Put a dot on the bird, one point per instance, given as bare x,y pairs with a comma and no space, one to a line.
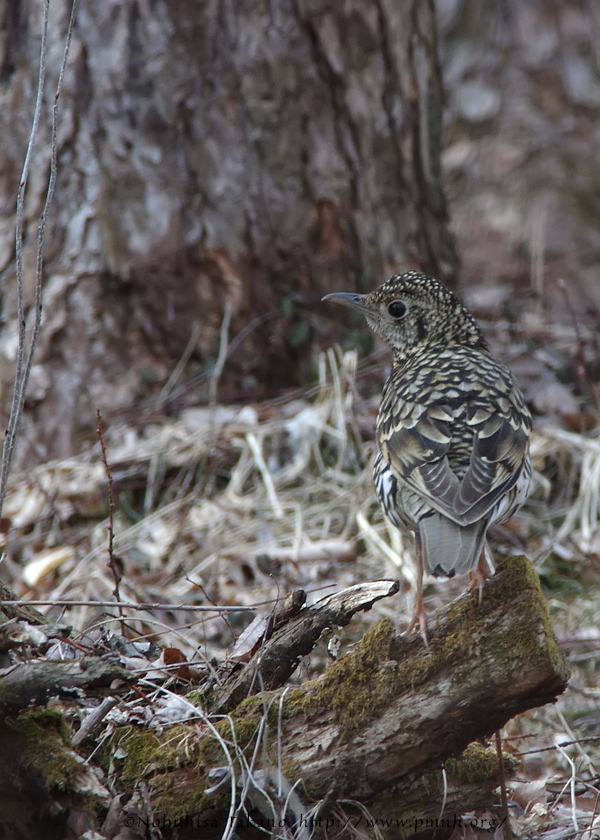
452,430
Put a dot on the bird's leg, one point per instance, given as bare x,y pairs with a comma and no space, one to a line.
419,614
482,571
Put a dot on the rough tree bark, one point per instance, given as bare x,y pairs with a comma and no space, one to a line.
249,156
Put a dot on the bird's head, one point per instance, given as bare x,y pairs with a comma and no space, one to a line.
412,311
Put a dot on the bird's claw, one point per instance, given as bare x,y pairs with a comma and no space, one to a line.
420,618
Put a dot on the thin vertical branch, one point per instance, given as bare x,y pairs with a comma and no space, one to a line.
425,99
222,354
581,370
503,792
571,784
24,358
177,371
39,265
19,385
112,560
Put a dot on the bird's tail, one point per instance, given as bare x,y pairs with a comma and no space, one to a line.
450,549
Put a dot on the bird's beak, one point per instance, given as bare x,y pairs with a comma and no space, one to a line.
349,299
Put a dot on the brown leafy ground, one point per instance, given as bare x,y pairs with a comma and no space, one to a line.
236,506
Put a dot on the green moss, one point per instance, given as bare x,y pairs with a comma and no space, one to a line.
176,765
180,793
522,640
39,742
164,763
476,765
196,698
48,720
45,741
525,634
356,687
140,751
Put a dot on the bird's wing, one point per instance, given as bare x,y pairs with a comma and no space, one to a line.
500,449
416,449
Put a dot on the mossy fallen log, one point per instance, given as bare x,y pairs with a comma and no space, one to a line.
379,725
389,727
392,708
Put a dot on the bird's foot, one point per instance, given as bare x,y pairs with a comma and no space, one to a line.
478,579
420,618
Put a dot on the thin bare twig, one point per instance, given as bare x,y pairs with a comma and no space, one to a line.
24,359
581,369
20,383
125,605
572,787
93,720
576,742
222,354
503,794
112,562
537,750
177,370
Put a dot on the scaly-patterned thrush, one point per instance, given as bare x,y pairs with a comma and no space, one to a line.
452,429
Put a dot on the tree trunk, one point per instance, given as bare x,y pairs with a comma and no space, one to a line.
213,157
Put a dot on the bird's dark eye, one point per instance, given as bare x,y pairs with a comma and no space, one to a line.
397,309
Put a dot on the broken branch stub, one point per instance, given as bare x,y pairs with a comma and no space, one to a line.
276,660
